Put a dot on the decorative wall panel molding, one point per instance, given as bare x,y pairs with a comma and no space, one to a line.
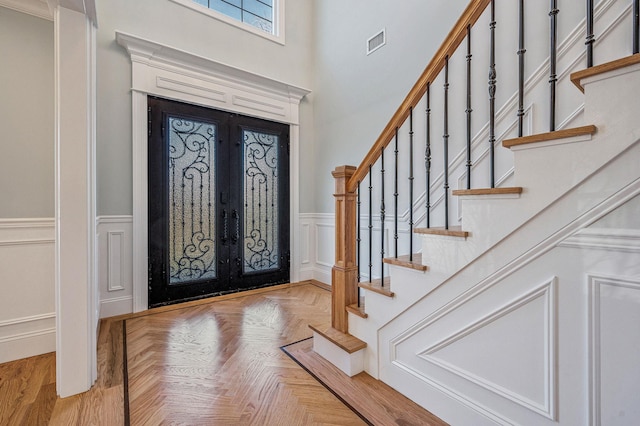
614,349
599,211
538,308
627,240
115,265
115,250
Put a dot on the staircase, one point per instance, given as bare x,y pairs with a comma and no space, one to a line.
517,303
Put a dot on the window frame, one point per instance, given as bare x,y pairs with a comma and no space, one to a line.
278,19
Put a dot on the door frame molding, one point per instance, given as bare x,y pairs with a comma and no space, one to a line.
167,72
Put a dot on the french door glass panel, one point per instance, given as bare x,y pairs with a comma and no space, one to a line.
192,212
261,251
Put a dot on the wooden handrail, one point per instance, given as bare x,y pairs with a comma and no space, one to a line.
469,17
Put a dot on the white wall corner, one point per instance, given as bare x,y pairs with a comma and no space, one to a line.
75,271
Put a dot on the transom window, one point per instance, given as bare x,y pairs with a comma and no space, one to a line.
257,13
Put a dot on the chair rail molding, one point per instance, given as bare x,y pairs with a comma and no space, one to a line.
161,70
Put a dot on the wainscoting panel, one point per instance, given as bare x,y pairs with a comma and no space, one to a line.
27,305
115,265
318,241
317,244
614,349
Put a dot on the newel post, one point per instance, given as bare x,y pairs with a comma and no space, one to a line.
344,275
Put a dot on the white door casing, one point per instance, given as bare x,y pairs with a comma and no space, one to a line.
164,71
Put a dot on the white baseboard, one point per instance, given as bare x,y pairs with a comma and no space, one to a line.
28,336
27,344
116,306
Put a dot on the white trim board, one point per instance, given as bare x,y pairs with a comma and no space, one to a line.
171,73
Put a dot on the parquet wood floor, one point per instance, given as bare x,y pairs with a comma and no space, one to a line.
28,388
215,363
381,404
221,363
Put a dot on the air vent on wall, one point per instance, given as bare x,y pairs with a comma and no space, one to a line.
376,42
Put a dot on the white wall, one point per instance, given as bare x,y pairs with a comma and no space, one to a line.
26,115
356,94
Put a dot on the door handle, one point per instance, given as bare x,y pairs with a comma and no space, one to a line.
236,216
225,226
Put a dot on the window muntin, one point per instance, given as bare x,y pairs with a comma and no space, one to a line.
257,13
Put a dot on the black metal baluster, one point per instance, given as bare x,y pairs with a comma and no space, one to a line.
427,157
411,184
370,225
553,58
636,26
445,139
382,217
395,196
469,110
492,94
590,37
521,52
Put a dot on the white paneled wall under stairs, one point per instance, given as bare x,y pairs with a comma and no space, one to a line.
532,318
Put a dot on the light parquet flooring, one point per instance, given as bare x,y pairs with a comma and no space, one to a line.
382,404
221,363
214,363
28,388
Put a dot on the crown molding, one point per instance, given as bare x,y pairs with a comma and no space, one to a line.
149,52
37,8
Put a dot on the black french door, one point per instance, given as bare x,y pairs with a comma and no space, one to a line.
218,202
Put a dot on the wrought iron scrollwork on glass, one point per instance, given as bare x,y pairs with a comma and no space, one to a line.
261,217
192,253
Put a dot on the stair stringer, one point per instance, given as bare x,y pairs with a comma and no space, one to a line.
566,163
546,171
404,343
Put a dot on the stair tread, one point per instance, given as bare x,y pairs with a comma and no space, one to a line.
578,76
357,310
405,262
549,136
345,341
376,286
488,191
453,231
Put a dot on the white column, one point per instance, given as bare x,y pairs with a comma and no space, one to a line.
76,292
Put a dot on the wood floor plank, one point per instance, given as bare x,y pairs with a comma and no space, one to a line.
378,402
28,388
218,363
221,363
